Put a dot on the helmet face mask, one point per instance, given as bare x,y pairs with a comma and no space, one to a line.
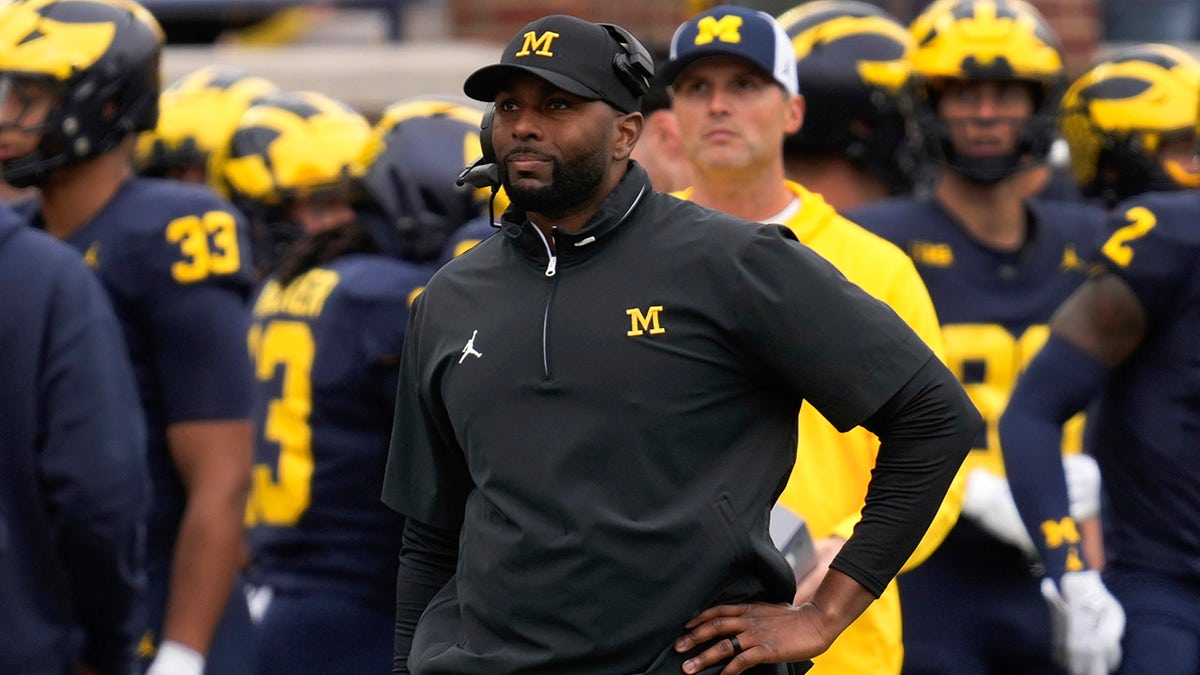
986,41
984,149
103,58
27,103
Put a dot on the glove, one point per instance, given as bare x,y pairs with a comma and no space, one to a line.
1083,485
1088,623
174,658
988,501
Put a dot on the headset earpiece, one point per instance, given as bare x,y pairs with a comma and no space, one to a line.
633,65
483,172
485,134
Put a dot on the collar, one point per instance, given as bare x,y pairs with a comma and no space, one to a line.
614,210
814,213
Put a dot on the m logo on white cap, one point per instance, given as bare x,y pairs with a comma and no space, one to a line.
537,44
725,29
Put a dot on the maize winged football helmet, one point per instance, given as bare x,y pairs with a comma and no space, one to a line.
197,116
1117,115
853,63
100,57
295,144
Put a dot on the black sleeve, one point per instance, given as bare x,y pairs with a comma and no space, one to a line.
925,431
428,557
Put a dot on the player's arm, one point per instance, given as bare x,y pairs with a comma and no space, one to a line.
92,463
213,459
1094,331
200,358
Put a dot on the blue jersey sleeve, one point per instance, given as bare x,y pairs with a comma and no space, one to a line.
200,349
191,279
1057,384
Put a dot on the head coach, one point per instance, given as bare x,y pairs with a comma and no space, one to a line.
598,406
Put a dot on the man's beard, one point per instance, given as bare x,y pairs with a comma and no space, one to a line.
571,184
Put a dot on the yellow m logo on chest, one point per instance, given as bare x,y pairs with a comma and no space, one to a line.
640,324
725,30
537,44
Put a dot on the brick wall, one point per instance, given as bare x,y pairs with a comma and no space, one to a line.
1077,21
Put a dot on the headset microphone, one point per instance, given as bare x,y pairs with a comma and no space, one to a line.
481,174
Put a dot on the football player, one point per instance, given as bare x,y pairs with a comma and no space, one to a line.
734,111
197,116
1128,337
289,168
406,178
1130,123
853,60
1124,337
986,82
79,79
326,337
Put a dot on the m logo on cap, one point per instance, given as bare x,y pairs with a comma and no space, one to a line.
725,30
535,44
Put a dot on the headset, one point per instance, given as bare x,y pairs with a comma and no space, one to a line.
633,65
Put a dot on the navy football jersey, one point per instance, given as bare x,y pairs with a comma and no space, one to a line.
993,305
1145,429
174,258
326,350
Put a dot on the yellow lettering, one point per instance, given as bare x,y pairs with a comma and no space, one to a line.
638,322
931,254
1059,532
726,29
537,44
305,297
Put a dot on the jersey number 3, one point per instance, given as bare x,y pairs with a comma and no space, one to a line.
280,494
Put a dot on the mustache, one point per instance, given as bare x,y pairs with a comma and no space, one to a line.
527,151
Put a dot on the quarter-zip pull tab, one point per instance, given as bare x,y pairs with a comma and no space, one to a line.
551,266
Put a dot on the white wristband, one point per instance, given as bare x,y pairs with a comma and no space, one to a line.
175,658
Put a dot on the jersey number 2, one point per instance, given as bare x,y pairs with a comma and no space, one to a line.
280,494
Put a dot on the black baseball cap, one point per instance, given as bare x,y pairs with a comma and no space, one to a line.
574,55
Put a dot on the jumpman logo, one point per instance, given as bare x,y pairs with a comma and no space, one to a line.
469,349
